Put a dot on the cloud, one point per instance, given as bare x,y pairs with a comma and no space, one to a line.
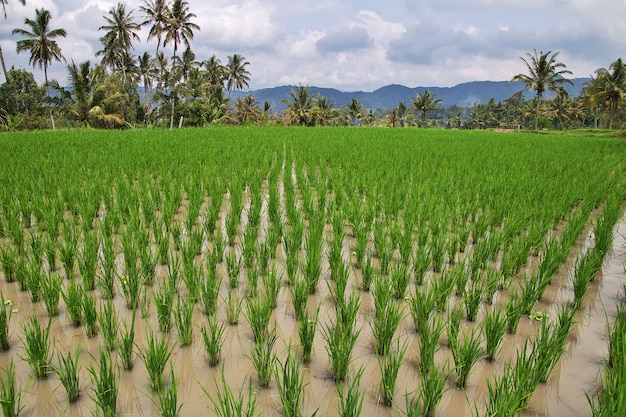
345,39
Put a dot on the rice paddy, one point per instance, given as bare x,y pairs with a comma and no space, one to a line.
301,271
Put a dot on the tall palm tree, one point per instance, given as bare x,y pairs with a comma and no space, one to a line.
40,41
608,89
423,103
355,112
325,110
121,29
156,13
237,76
179,27
4,9
544,73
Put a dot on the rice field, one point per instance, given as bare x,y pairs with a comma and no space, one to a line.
336,272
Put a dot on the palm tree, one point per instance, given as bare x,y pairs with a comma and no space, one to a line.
325,110
423,103
121,30
40,41
299,106
4,9
237,76
156,13
87,97
216,72
544,73
403,115
355,111
608,89
179,27
247,109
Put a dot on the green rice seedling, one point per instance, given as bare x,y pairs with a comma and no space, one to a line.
173,272
37,347
454,325
264,256
168,397
257,311
10,394
492,282
461,278
73,298
183,316
334,254
513,313
106,280
145,303
233,266
381,294
367,273
465,354
341,278
252,280
68,371
162,241
339,346
361,235
384,326
610,400
227,405
429,340
148,265
108,320
212,335
219,246
264,358
442,288
299,296
192,276
90,315
155,355
529,294
494,327
437,252
306,333
8,260
234,305
549,345
127,343
5,318
389,368
351,401
88,262
272,283
164,303
34,279
290,386
421,262
311,267
400,279
617,339
105,383
51,293
291,264
248,248
68,253
22,273
503,397
431,390
422,305
472,299
131,285
585,270
210,291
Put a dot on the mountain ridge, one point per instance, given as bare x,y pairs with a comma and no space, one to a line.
387,97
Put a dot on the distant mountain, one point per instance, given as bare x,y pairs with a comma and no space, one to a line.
387,97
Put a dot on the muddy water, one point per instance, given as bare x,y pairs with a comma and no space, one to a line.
563,394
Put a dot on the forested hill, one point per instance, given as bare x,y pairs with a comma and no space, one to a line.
466,94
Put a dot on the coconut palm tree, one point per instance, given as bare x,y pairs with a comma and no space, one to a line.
355,112
237,76
299,106
325,110
179,27
156,13
608,89
40,41
4,9
121,29
544,73
423,103
247,109
87,97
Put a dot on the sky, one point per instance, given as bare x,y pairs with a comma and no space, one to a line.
358,45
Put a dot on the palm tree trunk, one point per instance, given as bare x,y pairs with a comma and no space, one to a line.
537,112
45,75
4,67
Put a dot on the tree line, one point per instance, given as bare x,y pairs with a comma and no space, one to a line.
121,89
